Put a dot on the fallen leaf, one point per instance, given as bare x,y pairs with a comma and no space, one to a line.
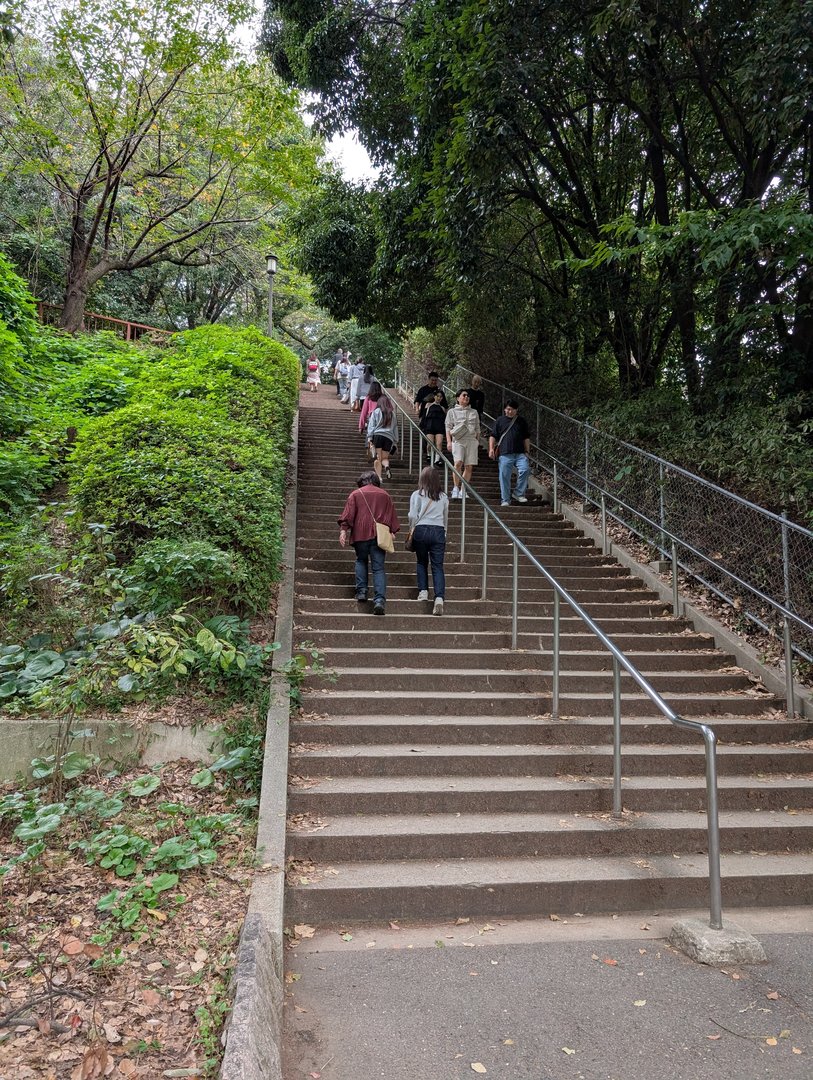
346,937
478,1067
486,928
111,1033
508,1042
642,952
796,1050
784,1034
771,1042
609,961
567,1050
370,945
73,947
127,1067
394,926
292,976
712,1038
304,931
152,999
461,921
554,918
161,916
641,1002
93,951
645,926
773,995
315,1075
736,976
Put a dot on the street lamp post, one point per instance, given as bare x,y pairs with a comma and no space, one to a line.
271,268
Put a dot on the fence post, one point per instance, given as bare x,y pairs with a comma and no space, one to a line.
515,601
675,593
662,505
790,703
556,487
604,548
586,461
554,706
617,808
463,502
485,556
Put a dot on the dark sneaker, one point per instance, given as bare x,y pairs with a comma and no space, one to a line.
361,598
378,608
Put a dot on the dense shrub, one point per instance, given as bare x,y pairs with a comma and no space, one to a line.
250,378
169,573
200,455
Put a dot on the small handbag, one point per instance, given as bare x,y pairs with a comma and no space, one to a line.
383,535
409,543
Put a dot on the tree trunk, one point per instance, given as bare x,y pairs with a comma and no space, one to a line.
77,284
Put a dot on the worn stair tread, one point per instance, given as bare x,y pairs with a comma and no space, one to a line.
450,824
673,697
362,785
413,873
492,750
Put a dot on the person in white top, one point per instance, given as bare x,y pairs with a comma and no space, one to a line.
462,438
429,519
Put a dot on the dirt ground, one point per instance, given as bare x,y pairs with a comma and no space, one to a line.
80,999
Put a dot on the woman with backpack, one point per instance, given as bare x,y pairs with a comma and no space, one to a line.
382,433
312,367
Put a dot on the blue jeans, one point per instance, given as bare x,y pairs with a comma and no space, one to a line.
506,463
369,549
430,545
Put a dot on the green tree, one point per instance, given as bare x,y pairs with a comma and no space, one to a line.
156,140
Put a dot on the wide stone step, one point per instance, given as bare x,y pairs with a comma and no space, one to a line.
475,703
383,635
478,730
364,838
339,583
435,889
648,663
493,680
406,615
467,601
537,760
544,794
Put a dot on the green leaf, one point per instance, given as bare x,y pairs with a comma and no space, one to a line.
75,763
144,785
163,882
202,779
43,666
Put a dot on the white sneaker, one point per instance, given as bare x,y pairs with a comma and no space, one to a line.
438,606
423,594
455,493
520,498
505,504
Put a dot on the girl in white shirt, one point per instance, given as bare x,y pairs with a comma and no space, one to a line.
429,517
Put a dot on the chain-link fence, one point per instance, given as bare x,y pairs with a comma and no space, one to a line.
749,557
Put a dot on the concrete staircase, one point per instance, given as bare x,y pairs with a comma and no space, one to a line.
427,776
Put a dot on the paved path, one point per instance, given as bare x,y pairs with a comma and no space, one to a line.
428,1003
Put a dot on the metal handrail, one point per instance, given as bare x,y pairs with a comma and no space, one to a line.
620,660
609,502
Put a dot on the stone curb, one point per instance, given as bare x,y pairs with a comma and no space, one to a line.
746,656
253,1038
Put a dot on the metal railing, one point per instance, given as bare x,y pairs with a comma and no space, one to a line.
130,331
415,439
756,561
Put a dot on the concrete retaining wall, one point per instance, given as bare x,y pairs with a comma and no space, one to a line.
253,1038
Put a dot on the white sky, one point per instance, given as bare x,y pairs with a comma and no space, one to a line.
352,158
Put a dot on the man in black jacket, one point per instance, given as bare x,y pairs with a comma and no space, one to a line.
510,444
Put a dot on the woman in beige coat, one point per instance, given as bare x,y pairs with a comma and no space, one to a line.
462,431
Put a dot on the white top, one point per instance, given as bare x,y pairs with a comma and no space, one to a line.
437,511
462,423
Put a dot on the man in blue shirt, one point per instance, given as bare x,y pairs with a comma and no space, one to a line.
510,444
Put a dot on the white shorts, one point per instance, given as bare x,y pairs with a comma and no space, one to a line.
465,451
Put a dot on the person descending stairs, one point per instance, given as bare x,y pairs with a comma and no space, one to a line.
427,775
